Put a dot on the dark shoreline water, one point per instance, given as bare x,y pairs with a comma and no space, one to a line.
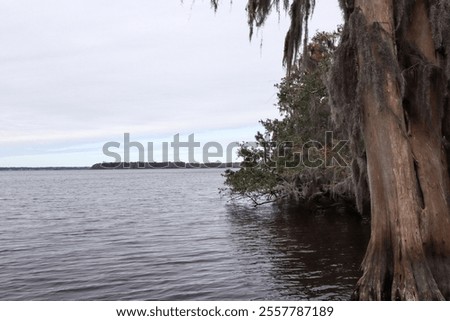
165,235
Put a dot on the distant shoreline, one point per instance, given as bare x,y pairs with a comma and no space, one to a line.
128,166
162,165
17,169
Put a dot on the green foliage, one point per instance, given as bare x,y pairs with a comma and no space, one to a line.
287,160
254,183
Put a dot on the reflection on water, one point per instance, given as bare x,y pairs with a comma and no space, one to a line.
303,255
165,235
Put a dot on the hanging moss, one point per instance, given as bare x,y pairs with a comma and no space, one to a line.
398,77
299,11
421,75
415,76
440,20
343,88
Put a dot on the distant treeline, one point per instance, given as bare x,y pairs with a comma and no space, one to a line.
43,168
164,165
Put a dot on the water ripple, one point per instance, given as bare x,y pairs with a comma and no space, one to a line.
165,235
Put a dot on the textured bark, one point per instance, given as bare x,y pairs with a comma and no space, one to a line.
401,104
389,89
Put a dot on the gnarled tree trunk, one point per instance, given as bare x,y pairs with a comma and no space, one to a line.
397,97
389,88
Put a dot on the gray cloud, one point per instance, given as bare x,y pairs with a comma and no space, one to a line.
81,72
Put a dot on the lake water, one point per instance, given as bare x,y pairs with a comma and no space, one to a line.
165,235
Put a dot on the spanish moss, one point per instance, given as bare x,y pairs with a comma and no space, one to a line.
299,11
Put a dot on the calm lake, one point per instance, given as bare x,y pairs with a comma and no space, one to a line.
165,235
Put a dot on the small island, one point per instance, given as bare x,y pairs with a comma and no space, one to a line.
162,165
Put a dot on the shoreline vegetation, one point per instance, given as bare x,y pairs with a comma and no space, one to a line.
301,156
382,85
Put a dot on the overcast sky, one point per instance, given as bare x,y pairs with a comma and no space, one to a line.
75,74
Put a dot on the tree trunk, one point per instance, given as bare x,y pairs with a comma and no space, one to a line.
389,88
399,96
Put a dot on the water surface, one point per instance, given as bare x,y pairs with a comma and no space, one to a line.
165,235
